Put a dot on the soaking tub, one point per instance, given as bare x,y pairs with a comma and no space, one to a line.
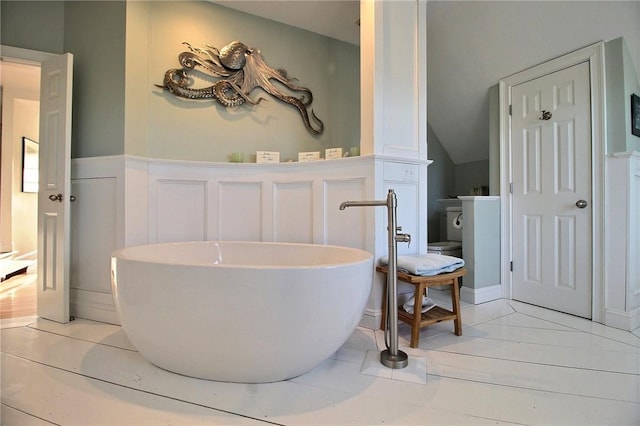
248,312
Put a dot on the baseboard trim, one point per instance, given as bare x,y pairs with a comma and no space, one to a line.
622,320
93,306
480,295
371,319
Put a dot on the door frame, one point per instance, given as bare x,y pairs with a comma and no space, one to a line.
594,55
29,57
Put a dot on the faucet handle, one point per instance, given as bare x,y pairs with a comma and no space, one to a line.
403,238
398,228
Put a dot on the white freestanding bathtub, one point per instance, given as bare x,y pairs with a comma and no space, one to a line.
247,312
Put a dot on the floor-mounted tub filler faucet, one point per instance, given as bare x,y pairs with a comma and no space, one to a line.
391,357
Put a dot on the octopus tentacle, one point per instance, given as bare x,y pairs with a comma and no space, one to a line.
178,87
190,60
302,108
222,89
289,82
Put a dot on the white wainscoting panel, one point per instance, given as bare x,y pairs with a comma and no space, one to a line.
97,229
633,297
622,294
346,227
127,200
292,214
88,259
181,211
239,211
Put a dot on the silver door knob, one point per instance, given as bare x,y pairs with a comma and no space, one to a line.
57,197
581,204
546,115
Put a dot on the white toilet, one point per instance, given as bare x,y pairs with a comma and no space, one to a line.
453,245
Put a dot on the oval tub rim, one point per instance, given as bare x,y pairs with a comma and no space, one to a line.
122,255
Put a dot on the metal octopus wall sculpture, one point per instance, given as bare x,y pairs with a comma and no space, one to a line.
240,70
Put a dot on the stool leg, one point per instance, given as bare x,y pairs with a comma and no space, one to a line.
455,299
417,315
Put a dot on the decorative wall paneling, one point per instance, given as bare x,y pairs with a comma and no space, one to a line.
287,202
96,230
124,201
622,290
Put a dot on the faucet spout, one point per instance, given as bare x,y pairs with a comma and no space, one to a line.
346,204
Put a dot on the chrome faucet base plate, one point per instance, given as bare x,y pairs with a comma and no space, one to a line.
400,360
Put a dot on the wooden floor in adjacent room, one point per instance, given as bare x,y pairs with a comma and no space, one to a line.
18,296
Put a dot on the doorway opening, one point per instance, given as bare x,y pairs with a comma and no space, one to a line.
593,56
19,122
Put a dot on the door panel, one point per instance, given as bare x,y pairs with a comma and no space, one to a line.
55,184
551,160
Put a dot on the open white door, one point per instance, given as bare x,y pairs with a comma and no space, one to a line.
55,185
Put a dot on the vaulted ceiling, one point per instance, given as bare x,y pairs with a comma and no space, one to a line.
471,45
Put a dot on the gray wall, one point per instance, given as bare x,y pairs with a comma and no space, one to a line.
205,130
473,44
469,175
35,25
440,183
106,114
93,32
494,140
446,179
621,82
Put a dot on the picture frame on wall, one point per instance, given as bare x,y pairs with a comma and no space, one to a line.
635,115
30,154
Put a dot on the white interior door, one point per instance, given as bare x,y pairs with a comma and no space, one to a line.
552,187
55,184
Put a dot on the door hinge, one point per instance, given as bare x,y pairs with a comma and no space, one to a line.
511,187
510,109
511,266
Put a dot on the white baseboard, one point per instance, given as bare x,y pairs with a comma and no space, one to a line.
623,320
93,306
32,255
480,295
371,319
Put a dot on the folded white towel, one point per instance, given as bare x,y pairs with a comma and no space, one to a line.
427,303
427,264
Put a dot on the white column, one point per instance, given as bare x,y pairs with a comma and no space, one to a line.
393,124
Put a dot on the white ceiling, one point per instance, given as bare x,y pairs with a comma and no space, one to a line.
331,18
20,77
471,45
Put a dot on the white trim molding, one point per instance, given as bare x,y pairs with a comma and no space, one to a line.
480,295
622,246
594,55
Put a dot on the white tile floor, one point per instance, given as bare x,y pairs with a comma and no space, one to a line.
514,364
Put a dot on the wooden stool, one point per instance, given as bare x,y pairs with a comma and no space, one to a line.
433,315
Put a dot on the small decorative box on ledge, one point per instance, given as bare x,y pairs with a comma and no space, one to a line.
437,314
